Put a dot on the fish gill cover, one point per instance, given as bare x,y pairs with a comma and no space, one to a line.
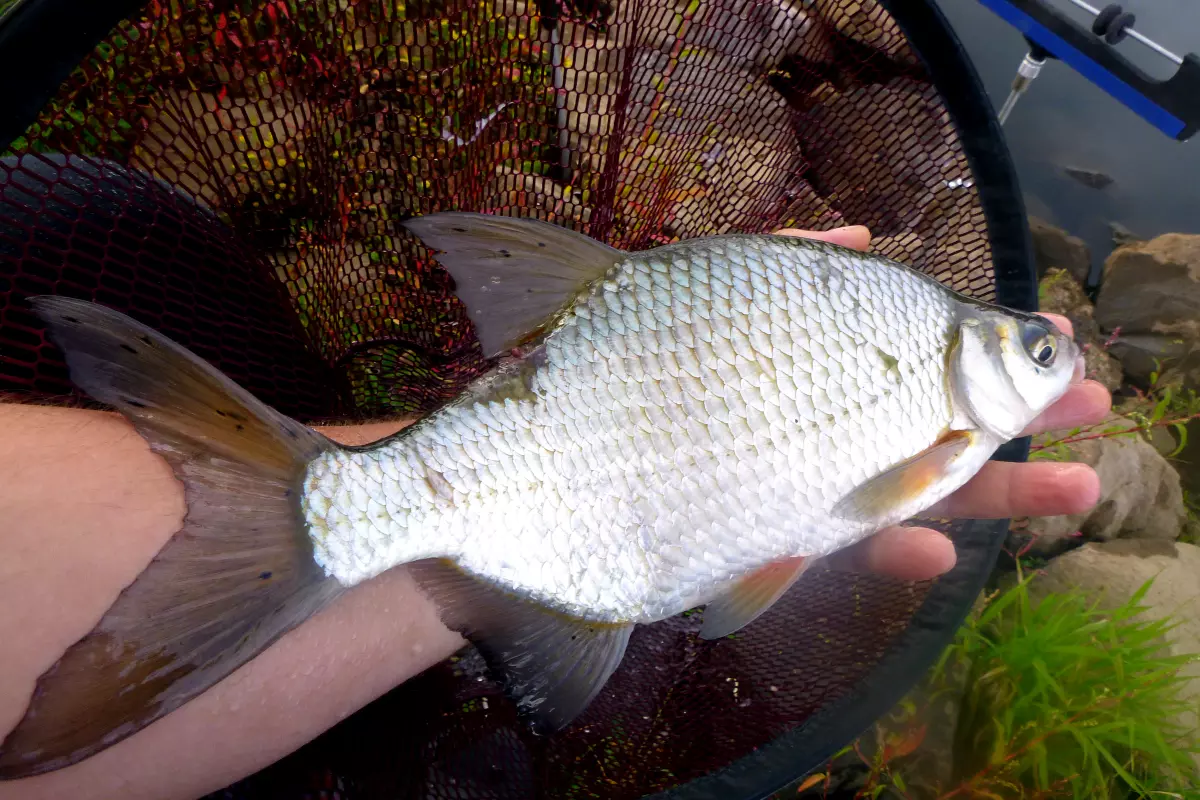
234,173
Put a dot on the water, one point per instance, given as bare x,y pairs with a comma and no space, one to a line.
1064,120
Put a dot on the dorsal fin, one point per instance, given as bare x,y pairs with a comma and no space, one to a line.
513,275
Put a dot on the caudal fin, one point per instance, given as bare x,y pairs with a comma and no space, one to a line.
231,581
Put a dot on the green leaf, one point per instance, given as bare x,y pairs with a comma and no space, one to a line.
1181,432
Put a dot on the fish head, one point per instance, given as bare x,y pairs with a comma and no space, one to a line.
1007,367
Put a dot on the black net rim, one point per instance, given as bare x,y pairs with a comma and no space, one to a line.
36,45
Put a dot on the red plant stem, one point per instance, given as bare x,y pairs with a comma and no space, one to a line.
1108,434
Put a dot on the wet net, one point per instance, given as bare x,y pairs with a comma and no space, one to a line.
234,173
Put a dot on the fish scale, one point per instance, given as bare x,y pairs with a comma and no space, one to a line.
607,418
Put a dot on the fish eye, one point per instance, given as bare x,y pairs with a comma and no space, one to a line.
1040,345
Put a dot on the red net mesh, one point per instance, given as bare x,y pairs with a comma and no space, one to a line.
237,173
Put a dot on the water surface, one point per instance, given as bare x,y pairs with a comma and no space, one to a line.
1064,120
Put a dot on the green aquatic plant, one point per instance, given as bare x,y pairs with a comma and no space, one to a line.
1062,699
1065,698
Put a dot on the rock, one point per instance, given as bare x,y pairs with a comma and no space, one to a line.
1140,494
1141,355
1151,292
902,156
1055,248
866,22
1113,571
203,143
744,168
755,35
1060,293
1151,285
1091,178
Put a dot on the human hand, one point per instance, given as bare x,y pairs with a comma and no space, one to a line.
1000,490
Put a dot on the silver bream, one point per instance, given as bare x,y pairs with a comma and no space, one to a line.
685,426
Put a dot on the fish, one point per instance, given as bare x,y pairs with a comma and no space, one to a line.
690,426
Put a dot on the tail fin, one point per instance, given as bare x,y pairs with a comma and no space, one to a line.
231,581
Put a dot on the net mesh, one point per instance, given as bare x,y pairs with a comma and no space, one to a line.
234,172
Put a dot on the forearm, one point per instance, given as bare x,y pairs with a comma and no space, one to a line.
84,506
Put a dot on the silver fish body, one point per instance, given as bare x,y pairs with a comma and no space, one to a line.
690,425
696,415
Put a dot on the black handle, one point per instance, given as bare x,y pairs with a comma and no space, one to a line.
1172,105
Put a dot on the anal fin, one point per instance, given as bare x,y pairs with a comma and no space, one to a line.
552,665
753,595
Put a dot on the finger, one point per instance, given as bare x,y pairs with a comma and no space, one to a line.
364,433
1085,403
1060,322
910,554
856,237
1001,490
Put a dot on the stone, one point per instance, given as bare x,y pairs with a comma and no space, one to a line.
749,171
1055,248
902,155
1140,493
1143,354
1060,293
866,22
1150,294
201,143
1111,572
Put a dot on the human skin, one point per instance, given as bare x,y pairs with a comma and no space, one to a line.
85,505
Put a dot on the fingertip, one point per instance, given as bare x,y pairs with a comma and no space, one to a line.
856,237
1060,322
911,554
1097,395
1081,488
1054,489
940,555
1086,403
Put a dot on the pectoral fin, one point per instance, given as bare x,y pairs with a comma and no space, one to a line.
550,664
917,482
753,595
